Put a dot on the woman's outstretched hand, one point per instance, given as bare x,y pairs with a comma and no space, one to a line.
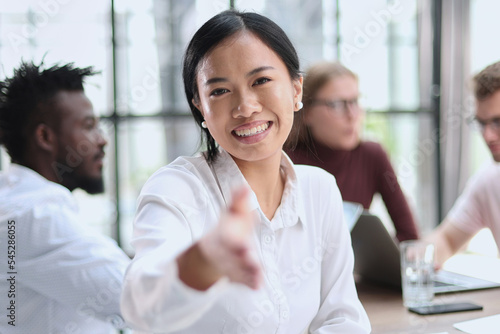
226,251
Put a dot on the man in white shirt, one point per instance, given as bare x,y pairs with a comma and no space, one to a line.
479,205
56,275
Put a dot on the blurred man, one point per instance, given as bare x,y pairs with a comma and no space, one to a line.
56,275
479,205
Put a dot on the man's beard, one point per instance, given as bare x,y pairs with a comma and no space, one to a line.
91,185
77,177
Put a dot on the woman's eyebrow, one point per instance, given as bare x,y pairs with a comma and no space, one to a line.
249,74
215,80
259,69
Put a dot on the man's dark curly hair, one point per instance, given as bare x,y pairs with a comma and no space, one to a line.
26,99
487,82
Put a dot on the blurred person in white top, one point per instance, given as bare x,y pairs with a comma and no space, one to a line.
57,275
479,205
237,239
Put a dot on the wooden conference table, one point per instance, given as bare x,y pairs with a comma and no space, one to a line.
388,315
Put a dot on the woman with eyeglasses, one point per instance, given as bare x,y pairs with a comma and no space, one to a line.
329,137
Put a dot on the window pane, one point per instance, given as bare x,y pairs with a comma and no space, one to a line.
138,81
378,42
58,33
412,150
145,145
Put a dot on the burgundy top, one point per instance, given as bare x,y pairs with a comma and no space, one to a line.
360,174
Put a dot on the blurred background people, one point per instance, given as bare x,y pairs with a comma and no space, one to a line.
478,206
330,138
61,276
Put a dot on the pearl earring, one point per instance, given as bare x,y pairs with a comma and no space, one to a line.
299,105
204,124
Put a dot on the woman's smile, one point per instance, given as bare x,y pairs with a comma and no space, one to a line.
246,101
252,133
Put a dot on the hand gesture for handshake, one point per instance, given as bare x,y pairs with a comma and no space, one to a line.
226,251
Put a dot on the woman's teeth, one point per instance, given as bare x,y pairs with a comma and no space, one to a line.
252,131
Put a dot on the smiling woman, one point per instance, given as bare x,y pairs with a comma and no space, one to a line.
237,96
202,45
216,234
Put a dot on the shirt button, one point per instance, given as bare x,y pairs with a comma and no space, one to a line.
116,321
284,314
267,239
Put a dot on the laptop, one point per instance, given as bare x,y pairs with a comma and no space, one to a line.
377,259
352,211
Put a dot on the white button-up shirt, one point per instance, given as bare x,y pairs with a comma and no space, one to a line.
305,252
56,275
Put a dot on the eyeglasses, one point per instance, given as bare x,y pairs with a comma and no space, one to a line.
339,107
480,125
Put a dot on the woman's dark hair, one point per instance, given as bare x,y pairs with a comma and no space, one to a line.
211,34
25,101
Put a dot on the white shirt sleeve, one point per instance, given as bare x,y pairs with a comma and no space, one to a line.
154,299
477,207
60,258
471,211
